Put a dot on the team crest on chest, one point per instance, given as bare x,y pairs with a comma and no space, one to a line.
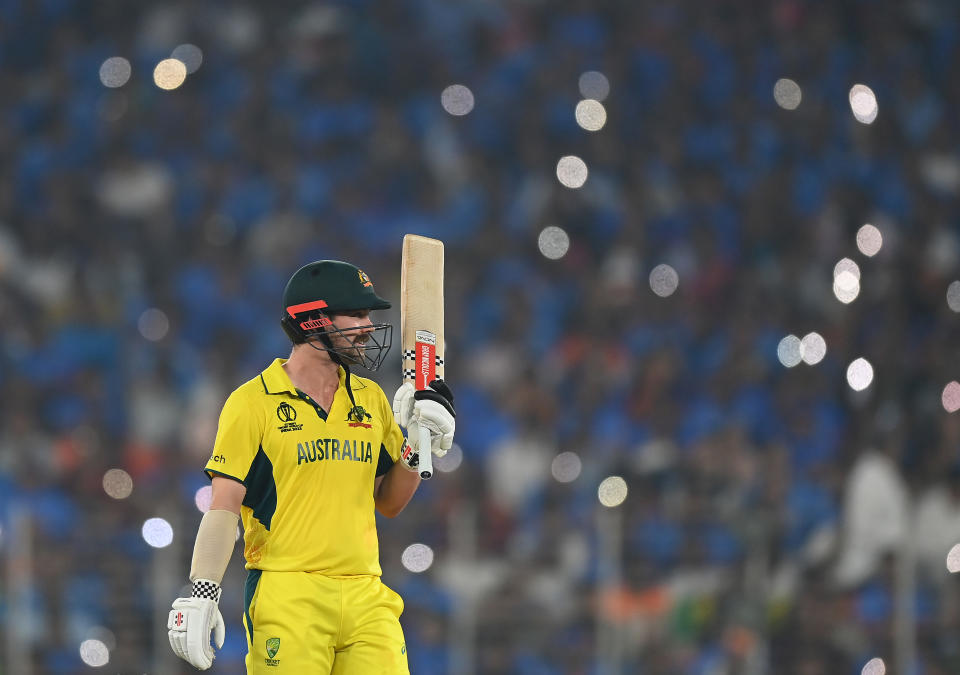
357,417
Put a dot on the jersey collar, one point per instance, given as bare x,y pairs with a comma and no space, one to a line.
276,381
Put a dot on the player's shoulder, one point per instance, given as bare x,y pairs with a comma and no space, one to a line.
251,389
364,386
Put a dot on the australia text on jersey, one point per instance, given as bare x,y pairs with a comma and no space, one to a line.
333,448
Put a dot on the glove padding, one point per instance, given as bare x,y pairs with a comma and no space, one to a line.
192,620
433,409
403,405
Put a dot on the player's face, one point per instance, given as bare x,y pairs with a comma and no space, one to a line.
354,329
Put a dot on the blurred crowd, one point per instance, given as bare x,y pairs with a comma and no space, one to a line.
776,520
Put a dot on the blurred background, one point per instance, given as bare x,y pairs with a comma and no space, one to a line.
702,265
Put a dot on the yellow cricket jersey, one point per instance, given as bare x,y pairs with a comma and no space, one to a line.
309,473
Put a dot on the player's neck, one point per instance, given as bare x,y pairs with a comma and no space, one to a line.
312,371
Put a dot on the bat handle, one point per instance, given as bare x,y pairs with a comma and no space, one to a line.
426,457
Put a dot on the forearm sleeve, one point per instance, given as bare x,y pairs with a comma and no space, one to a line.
214,546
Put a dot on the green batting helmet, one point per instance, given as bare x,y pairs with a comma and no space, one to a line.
331,286
325,287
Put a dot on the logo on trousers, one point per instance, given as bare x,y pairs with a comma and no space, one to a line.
273,646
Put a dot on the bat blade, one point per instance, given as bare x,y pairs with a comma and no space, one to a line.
421,321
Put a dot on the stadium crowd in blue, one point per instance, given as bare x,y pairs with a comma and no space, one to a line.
316,131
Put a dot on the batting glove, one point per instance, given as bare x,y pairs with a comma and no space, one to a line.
192,620
433,409
403,405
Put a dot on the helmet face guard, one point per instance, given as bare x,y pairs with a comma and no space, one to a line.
365,346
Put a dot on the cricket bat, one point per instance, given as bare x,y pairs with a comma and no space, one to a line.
421,323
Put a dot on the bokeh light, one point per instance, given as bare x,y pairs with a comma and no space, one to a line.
813,348
553,242
115,72
874,666
157,532
869,240
590,114
153,324
572,171
117,483
953,559
859,374
789,351
863,103
612,491
203,497
951,397
451,461
94,653
417,557
787,93
105,635
664,280
846,287
457,100
594,84
169,74
846,265
191,56
953,296
566,467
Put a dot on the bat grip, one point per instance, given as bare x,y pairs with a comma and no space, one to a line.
426,457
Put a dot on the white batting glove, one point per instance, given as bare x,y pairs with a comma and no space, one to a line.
192,620
433,409
403,405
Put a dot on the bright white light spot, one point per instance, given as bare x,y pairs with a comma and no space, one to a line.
951,397
953,559
105,635
787,93
664,280
553,242
572,171
157,532
953,296
169,74
591,115
594,84
417,557
153,324
190,55
117,483
450,461
869,240
863,103
846,265
115,72
859,374
94,653
874,667
813,348
566,467
612,491
846,287
788,351
203,498
457,99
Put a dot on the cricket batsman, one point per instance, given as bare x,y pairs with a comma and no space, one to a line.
304,453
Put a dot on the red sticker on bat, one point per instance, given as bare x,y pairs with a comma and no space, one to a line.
426,359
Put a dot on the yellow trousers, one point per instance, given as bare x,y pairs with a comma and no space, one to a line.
304,623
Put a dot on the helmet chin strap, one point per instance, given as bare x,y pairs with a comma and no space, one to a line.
336,357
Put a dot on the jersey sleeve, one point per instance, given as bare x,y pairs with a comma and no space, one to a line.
239,435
